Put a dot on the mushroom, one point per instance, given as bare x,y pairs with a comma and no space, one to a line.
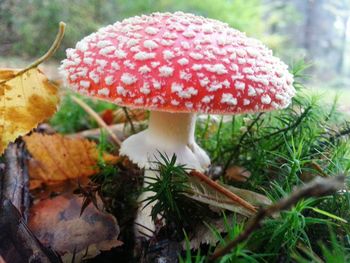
176,65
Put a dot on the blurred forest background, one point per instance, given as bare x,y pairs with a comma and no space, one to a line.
315,30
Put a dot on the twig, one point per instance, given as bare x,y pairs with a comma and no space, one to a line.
97,118
95,133
316,188
129,120
55,45
14,230
235,198
15,179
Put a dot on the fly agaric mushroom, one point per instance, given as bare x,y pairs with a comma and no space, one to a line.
176,65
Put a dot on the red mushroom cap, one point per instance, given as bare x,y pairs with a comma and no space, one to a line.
178,63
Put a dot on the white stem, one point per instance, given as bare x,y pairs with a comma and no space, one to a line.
168,133
173,128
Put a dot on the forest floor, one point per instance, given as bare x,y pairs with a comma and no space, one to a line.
258,158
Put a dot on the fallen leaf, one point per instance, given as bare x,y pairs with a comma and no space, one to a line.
203,234
25,101
107,116
135,115
57,158
237,173
217,201
57,224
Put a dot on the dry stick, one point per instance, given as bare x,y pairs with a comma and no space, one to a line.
235,198
55,45
97,118
316,188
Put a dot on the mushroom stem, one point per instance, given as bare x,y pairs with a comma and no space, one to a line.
167,133
175,128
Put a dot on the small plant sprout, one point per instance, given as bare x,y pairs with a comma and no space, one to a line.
176,65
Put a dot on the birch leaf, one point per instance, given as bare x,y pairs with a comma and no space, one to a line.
57,158
25,101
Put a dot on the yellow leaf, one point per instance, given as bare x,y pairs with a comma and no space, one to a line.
25,101
57,158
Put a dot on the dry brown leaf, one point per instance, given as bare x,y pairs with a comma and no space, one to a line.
25,101
237,173
57,158
57,223
217,201
119,115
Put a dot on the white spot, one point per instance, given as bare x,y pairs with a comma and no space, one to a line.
85,84
252,52
215,86
208,99
128,79
167,54
175,102
248,71
155,64
151,30
104,91
109,80
170,35
227,98
216,68
106,50
239,85
204,82
94,77
144,69
166,71
145,89
144,55
132,42
120,53
196,56
183,61
246,102
167,43
241,52
189,34
102,63
251,91
241,61
104,43
197,67
150,44
138,101
129,64
185,45
259,91
234,67
226,83
88,61
156,84
184,75
115,65
265,99
189,105
121,91
82,46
